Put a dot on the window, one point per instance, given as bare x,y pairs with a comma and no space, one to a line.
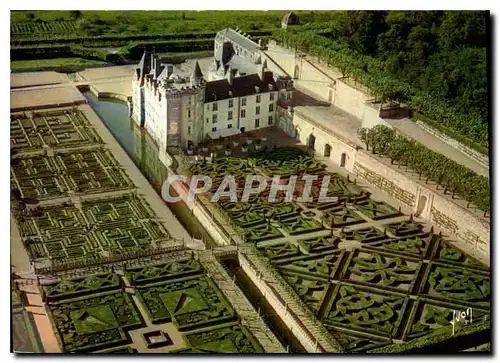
257,110
258,98
243,101
189,113
189,130
214,119
208,107
230,104
230,126
214,106
208,120
214,129
229,115
257,123
189,100
270,120
271,107
271,96
243,113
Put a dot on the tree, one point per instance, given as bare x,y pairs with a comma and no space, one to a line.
75,14
30,16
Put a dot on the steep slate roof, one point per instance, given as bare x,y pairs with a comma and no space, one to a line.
196,75
290,18
241,87
239,39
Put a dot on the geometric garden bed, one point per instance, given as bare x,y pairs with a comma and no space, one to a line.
96,313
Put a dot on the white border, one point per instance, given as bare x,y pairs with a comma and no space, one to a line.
203,5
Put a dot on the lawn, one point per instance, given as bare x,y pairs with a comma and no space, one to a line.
144,22
56,62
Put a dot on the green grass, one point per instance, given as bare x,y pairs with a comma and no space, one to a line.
197,54
56,62
451,133
146,22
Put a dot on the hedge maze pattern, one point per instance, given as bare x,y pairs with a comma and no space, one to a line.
96,313
85,171
383,290
57,129
395,282
99,227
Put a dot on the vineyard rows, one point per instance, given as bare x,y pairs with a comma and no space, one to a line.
43,27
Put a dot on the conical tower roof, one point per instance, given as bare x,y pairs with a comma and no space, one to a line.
196,75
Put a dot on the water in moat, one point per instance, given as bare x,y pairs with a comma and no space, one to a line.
144,153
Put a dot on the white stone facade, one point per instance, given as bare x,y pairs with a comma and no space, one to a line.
178,109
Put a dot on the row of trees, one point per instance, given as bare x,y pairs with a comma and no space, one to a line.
453,177
448,85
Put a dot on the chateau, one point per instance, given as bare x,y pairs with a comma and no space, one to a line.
180,106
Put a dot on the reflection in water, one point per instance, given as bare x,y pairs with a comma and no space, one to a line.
144,152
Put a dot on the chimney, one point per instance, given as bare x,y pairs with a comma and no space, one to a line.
230,75
170,69
156,67
261,71
262,68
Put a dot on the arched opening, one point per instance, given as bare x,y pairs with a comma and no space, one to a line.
342,159
328,150
420,205
296,72
242,130
311,141
297,134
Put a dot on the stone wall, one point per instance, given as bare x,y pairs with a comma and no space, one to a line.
204,217
284,57
278,304
467,230
339,145
473,154
384,184
472,230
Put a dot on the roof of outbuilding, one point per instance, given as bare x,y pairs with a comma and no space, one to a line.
239,38
290,17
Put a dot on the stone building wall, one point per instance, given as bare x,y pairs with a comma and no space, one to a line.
467,230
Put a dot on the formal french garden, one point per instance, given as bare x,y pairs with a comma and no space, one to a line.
370,274
97,313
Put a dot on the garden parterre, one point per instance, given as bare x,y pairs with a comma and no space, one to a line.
99,313
371,276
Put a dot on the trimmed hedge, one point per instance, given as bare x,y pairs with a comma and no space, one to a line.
460,180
